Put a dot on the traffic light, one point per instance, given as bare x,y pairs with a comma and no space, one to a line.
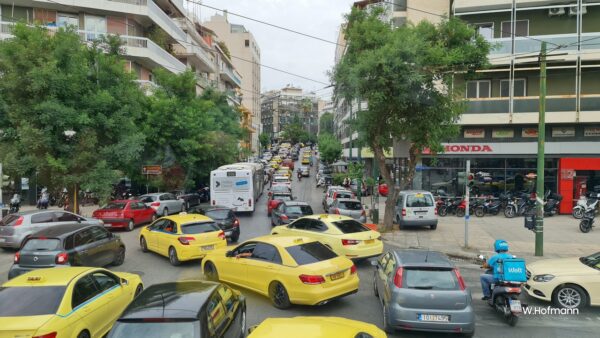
5,179
470,179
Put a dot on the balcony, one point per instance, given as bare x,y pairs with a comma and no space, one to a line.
231,75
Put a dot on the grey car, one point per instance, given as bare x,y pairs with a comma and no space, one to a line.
424,291
163,202
350,207
288,211
14,228
69,245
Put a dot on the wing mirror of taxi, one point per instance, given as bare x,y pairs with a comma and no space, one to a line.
229,253
124,281
252,328
375,263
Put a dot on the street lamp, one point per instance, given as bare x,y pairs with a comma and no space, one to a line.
69,134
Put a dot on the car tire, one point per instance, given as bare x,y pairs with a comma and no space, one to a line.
375,291
569,296
469,334
433,226
120,258
138,290
234,237
143,244
173,259
130,225
210,272
279,296
243,324
84,334
165,212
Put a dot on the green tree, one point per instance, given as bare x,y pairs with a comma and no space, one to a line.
294,132
71,110
405,74
326,123
265,139
330,148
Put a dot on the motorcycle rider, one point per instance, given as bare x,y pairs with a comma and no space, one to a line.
44,199
501,248
299,174
15,203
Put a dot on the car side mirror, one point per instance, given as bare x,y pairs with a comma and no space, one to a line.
229,253
375,263
124,281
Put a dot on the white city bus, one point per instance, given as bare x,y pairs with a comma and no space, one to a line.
237,185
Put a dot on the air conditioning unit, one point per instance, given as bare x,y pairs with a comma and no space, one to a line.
556,11
573,10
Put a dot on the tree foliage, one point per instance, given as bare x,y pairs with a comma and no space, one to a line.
326,123
405,75
330,148
295,132
264,139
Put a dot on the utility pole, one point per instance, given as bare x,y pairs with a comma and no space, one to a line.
467,199
539,227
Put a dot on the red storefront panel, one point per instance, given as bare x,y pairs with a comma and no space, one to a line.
566,180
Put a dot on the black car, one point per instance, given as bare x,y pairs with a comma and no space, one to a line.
191,309
287,211
69,245
224,217
190,199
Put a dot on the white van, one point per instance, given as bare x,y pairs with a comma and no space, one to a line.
416,208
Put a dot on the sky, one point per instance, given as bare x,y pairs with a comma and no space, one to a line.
288,51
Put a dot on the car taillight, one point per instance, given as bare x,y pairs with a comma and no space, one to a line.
47,335
155,204
185,240
62,258
350,241
19,221
353,269
461,281
435,211
284,217
398,278
403,212
236,223
17,257
221,235
312,279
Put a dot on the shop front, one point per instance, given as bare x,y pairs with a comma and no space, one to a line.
577,177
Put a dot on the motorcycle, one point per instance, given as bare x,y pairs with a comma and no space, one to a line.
44,199
552,204
457,207
519,206
583,204
490,206
587,221
15,204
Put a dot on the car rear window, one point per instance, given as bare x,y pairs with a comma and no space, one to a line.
343,195
30,301
282,180
218,214
419,200
169,328
39,244
199,228
309,253
299,209
9,220
148,199
350,205
350,226
430,279
115,205
282,197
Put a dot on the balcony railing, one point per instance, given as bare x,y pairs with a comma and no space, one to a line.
133,2
568,43
530,104
232,74
157,15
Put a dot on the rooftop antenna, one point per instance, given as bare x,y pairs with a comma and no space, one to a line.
426,255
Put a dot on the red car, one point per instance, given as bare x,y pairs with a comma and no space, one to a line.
276,198
125,214
383,189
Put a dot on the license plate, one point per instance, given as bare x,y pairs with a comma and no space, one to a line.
336,275
369,241
227,233
208,247
434,318
515,306
107,225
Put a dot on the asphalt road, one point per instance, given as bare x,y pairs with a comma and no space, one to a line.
361,306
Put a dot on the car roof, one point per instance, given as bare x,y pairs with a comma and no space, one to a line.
155,194
422,258
348,200
328,217
61,230
415,192
170,300
32,212
283,241
187,218
293,203
48,277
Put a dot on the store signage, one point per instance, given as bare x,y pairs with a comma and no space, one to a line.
517,148
567,174
591,131
151,170
503,133
529,132
464,149
475,133
563,132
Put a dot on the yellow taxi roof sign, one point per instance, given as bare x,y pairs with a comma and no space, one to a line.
298,240
34,279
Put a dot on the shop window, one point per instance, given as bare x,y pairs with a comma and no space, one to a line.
520,88
521,28
479,89
486,30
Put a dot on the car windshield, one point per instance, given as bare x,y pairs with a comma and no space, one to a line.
419,200
30,301
309,253
115,205
350,205
167,329
299,209
41,244
199,228
218,213
592,261
430,279
350,226
9,219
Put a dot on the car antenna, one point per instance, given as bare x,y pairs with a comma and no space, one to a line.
426,255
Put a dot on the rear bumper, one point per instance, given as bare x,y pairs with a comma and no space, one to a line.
364,252
12,241
115,222
407,319
319,295
418,222
186,253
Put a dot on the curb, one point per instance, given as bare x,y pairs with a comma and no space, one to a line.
472,257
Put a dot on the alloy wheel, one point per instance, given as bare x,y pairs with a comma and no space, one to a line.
569,298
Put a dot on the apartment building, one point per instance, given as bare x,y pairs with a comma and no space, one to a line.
282,107
245,53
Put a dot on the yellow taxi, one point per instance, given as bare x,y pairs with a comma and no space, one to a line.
277,159
305,160
65,302
283,172
344,235
289,270
182,237
274,165
314,327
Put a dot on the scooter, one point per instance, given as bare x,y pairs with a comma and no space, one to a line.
583,204
44,199
519,206
457,207
552,204
15,204
587,222
490,206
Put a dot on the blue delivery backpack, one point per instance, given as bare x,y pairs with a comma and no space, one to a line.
511,270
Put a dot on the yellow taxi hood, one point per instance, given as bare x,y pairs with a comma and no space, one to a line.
559,267
22,326
314,327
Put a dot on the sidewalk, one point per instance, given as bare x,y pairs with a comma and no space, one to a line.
86,211
562,237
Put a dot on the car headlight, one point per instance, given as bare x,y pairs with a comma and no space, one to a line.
543,278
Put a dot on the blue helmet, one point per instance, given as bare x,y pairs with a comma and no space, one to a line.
500,245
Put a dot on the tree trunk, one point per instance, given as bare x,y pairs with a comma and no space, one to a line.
388,218
412,165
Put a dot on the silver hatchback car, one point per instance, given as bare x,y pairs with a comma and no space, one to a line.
14,228
423,291
350,207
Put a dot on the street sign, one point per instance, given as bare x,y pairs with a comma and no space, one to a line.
151,170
